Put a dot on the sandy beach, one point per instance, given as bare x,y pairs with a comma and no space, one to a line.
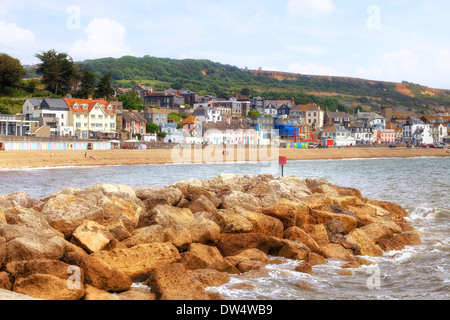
37,159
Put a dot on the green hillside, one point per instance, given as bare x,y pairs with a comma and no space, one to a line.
208,77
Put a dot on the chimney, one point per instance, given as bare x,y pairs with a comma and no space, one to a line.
228,119
90,97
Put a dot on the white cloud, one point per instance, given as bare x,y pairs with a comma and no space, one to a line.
105,38
308,8
15,38
442,61
314,69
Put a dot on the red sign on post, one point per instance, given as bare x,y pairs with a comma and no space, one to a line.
283,161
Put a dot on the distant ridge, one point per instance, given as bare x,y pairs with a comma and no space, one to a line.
208,77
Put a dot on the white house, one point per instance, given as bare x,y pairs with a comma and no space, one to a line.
342,136
208,114
49,112
414,129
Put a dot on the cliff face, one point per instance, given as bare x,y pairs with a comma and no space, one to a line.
185,237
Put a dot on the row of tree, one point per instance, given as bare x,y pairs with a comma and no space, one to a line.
62,75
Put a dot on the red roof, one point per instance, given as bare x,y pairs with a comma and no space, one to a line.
90,103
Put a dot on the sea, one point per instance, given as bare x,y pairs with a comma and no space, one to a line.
420,185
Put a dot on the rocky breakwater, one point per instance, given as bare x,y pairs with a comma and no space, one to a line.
95,243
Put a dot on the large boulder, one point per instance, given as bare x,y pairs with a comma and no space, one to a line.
234,199
57,268
92,236
154,233
137,262
172,282
262,223
2,251
24,243
400,241
18,199
97,273
286,214
48,287
233,244
66,212
295,233
153,197
230,222
209,277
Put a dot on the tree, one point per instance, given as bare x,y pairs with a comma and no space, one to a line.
88,80
59,72
131,100
104,87
11,71
152,127
254,113
245,92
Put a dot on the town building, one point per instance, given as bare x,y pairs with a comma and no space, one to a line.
337,118
133,122
165,100
340,135
53,113
92,118
155,115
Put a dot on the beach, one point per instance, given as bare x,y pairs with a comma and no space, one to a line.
41,159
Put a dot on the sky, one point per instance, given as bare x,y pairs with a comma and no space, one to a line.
388,40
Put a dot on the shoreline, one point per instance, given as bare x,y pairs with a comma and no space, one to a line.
17,160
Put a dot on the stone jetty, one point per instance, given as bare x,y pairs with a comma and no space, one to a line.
94,243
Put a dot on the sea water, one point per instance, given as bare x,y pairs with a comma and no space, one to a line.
420,185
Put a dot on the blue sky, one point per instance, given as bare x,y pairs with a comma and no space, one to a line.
391,40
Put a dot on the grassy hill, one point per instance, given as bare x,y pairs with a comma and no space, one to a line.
208,77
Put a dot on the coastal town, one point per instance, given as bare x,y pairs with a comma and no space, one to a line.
184,117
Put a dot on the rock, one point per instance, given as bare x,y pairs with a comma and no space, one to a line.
234,199
121,226
66,212
26,217
125,193
302,211
172,282
209,277
48,287
377,231
289,249
19,199
297,185
261,190
355,262
137,262
192,261
168,216
136,295
202,204
92,236
97,273
335,251
192,193
252,254
179,236
206,253
317,201
118,208
348,222
315,259
95,294
2,251
360,243
400,241
23,243
153,197
295,233
395,211
204,231
155,233
304,267
262,223
233,244
57,268
231,222
224,265
335,226
318,232
5,281
286,214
